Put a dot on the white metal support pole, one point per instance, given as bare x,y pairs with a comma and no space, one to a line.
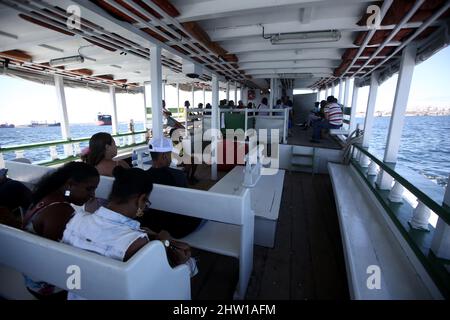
341,90
346,92
333,88
214,125
64,116
326,91
228,91
204,97
163,89
178,97
368,121
242,95
235,93
112,99
441,239
156,97
272,92
193,97
318,95
145,109
400,103
396,123
354,106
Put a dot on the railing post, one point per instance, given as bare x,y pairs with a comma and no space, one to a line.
373,169
68,149
19,154
384,180
396,193
2,161
364,160
420,217
440,244
77,149
53,153
356,153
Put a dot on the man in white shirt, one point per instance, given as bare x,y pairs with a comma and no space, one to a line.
263,105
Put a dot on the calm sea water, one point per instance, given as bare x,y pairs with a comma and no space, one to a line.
27,135
425,145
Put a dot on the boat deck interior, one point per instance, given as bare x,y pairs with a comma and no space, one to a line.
307,261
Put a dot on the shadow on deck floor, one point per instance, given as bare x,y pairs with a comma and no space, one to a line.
307,261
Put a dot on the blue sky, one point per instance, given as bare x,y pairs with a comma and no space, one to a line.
23,101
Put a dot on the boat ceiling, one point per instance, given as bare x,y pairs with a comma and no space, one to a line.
222,37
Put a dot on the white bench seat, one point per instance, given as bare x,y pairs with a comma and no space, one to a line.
147,275
339,132
368,241
265,200
222,238
228,231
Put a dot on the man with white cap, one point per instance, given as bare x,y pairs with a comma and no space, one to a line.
162,173
177,225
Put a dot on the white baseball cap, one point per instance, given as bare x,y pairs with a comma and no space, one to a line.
160,145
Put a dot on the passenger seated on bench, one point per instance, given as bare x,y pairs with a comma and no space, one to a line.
208,106
333,119
102,149
177,225
52,207
112,231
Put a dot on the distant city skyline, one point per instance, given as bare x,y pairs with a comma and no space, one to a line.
24,101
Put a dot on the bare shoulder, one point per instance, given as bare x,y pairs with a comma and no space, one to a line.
52,221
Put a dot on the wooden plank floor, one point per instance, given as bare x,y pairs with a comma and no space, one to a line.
307,261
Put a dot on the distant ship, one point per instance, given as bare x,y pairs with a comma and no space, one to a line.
104,119
44,124
6,125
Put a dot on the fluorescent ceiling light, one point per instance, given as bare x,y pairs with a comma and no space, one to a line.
306,37
65,61
295,75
